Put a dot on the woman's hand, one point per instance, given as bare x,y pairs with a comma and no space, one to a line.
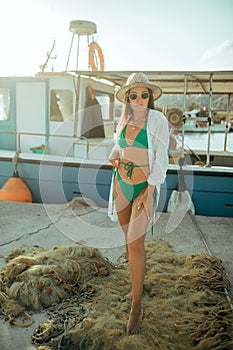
115,162
114,157
146,200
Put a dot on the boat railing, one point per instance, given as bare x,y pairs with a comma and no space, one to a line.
47,135
85,150
208,120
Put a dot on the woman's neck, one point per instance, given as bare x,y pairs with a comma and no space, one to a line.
136,117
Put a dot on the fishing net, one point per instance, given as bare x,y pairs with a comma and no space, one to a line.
42,277
184,304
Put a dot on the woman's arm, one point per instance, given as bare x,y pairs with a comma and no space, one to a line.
160,152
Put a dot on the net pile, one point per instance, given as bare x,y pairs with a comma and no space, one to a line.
184,304
42,277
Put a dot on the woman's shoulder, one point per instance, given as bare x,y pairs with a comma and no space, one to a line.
156,116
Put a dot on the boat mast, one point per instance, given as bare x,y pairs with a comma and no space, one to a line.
209,121
184,117
227,121
80,28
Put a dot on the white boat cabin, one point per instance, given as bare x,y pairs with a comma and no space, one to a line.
34,111
52,112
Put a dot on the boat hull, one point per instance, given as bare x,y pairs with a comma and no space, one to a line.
56,181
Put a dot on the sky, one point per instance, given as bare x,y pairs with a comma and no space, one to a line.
133,34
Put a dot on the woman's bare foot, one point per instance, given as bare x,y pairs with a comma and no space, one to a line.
134,323
129,295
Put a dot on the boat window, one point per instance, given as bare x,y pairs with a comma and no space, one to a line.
4,104
61,105
105,101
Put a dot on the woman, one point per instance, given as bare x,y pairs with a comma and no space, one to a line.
140,159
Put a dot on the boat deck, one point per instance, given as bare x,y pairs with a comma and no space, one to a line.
26,225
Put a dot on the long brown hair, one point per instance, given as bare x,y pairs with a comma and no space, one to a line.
127,111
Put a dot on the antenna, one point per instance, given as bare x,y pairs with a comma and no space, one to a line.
49,53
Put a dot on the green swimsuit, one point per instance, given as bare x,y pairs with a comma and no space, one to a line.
141,141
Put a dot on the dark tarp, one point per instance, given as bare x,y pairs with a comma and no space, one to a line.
92,123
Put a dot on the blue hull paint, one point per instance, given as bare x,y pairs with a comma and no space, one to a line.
211,195
53,183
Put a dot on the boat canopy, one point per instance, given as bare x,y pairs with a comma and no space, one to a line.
172,82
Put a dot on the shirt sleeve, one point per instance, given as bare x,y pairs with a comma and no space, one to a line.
160,154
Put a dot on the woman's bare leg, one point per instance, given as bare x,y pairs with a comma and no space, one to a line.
124,209
137,263
134,223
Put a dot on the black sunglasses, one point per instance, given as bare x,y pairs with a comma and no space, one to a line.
144,95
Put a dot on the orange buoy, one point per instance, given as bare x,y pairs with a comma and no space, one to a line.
96,52
15,190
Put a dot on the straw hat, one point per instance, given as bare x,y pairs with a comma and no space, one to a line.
138,80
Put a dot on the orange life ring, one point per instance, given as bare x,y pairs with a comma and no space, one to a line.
96,63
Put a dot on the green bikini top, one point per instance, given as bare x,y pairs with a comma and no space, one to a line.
140,141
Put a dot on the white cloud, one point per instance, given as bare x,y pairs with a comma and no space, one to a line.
219,57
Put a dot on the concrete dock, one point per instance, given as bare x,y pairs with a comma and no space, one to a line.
27,225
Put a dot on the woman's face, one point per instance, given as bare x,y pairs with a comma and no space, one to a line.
138,98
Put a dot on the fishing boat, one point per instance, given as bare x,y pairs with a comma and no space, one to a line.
58,128
198,122
41,137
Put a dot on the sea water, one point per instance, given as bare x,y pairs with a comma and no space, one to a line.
199,141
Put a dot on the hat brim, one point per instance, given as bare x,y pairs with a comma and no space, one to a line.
120,95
